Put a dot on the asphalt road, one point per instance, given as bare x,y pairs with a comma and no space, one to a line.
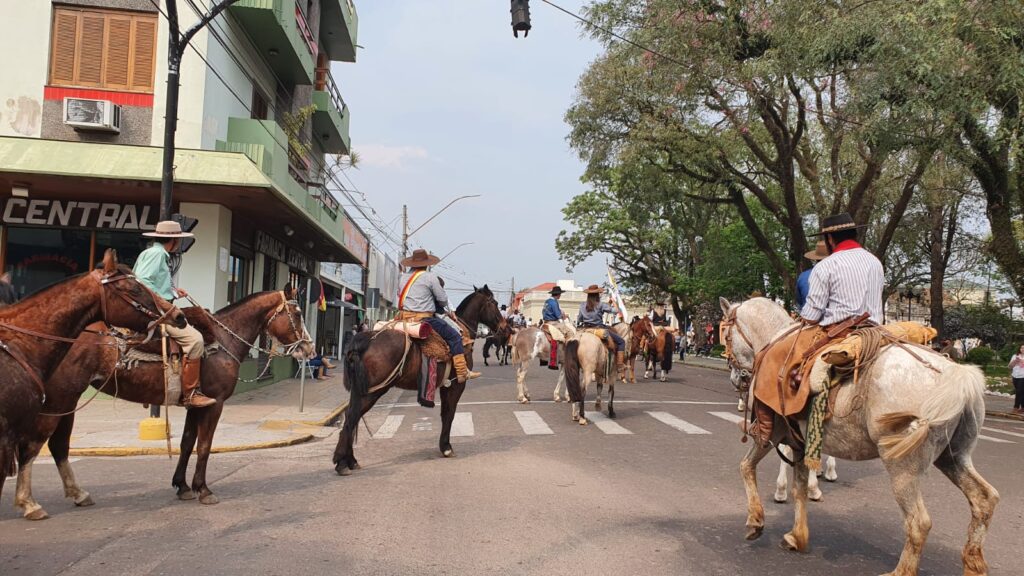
647,494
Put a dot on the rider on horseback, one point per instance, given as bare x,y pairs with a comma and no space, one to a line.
553,313
591,315
846,284
421,296
153,270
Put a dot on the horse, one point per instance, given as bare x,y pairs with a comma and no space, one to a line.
586,360
39,331
94,360
530,343
500,341
641,334
380,360
912,413
659,355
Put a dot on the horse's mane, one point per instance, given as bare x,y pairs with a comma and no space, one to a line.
59,283
465,301
772,318
233,306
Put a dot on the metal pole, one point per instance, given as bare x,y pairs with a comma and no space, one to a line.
174,53
405,233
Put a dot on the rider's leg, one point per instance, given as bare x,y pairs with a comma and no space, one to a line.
620,354
454,340
192,346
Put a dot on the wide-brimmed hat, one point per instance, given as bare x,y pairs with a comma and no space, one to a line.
838,223
820,252
594,289
168,229
420,259
556,291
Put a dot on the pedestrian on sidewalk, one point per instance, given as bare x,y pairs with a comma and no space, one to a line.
1017,376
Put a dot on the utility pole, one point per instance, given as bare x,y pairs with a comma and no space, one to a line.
512,296
405,232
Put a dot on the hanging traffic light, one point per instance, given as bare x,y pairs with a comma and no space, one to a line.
187,224
521,18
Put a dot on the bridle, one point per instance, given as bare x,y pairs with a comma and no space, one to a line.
299,332
474,332
725,331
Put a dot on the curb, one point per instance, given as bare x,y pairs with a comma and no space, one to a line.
154,451
720,369
1009,415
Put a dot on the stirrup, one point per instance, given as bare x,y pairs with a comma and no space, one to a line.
198,400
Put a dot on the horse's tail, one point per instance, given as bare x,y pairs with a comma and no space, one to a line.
357,380
571,367
956,389
667,342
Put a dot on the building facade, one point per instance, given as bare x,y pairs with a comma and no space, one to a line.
261,129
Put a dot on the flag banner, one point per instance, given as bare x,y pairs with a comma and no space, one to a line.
623,314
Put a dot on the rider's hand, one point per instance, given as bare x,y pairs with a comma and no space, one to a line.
181,293
807,322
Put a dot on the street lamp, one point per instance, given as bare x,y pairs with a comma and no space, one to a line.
911,293
406,234
456,248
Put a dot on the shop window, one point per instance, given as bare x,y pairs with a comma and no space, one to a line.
38,257
270,273
106,49
238,278
127,244
259,109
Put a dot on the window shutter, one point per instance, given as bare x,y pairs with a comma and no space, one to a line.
119,32
65,32
90,53
144,57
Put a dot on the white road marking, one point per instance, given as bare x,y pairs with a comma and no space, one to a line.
997,440
532,423
728,416
463,424
493,402
677,423
423,426
606,425
1007,432
389,427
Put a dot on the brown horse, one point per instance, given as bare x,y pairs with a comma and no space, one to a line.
378,361
659,355
641,331
93,359
37,333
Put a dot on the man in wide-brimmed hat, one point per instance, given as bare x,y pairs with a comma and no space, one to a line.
803,282
846,284
552,313
591,315
153,269
421,296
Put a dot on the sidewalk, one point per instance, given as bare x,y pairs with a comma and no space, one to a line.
267,417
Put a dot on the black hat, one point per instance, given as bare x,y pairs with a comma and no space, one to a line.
503,307
557,291
838,223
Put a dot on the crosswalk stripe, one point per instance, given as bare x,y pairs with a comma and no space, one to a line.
389,427
677,423
1007,432
532,423
728,416
463,424
997,440
605,424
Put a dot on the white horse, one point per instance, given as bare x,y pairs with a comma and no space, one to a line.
909,414
530,343
586,361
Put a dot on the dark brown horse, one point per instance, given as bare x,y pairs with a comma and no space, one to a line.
375,356
659,355
642,334
500,341
93,358
38,332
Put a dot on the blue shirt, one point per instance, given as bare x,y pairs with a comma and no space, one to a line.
552,311
803,286
594,317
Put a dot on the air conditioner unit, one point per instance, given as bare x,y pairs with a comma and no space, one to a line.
89,114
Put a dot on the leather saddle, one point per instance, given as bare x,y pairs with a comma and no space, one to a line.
431,344
603,334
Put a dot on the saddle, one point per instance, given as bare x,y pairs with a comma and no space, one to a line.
411,323
601,333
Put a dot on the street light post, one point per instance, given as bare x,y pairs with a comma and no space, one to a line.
406,234
456,248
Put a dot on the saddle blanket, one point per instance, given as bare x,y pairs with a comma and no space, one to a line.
431,343
558,331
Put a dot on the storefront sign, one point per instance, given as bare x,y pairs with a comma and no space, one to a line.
66,213
355,241
278,251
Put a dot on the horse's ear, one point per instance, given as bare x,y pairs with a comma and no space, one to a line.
486,288
110,261
475,289
725,304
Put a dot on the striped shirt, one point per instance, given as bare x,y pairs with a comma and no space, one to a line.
848,283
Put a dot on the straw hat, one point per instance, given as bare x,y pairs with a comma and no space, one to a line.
820,252
838,223
420,259
594,289
168,229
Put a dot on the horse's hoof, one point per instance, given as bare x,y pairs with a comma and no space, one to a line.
186,495
779,499
448,453
663,379
831,477
789,542
754,532
523,401
343,471
209,499
816,497
611,415
583,421
37,514
357,466
557,399
87,501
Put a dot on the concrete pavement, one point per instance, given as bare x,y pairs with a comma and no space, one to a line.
657,491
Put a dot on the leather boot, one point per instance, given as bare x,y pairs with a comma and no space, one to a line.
462,373
764,422
620,364
191,396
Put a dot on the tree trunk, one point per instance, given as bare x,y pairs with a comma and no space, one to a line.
937,221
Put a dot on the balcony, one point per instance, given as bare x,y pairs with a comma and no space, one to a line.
330,120
279,30
339,29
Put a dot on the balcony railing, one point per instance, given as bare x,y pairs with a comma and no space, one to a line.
307,34
325,83
327,200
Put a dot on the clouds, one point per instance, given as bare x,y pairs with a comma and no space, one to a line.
395,157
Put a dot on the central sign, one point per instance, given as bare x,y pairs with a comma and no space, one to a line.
73,214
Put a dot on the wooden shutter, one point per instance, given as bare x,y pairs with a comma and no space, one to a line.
90,49
144,57
118,52
63,47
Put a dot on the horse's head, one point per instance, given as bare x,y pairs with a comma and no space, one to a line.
126,302
642,327
287,327
746,328
480,306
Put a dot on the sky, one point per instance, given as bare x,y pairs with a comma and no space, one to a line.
445,102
